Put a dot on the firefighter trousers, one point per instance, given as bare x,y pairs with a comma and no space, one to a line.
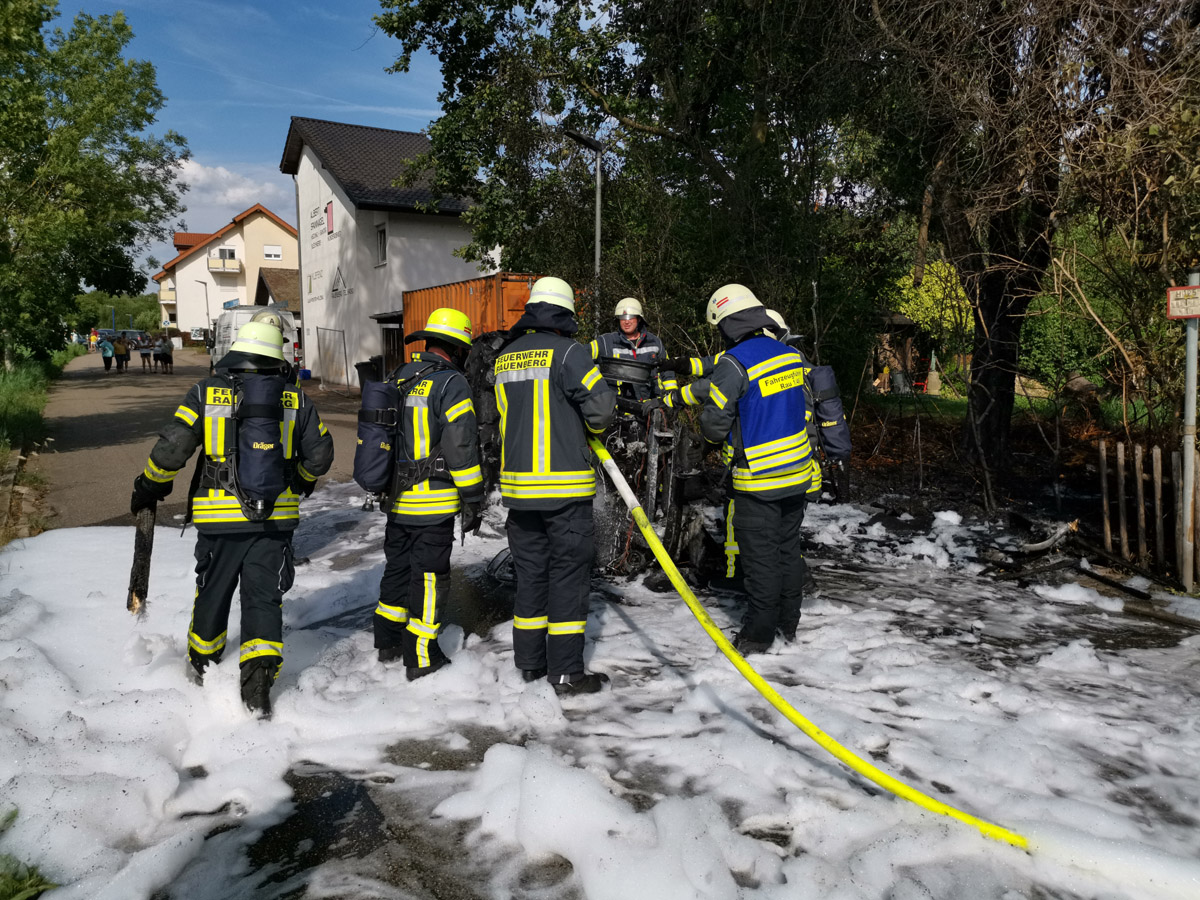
552,554
768,544
412,592
261,565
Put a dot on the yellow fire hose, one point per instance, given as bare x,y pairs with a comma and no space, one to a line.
859,765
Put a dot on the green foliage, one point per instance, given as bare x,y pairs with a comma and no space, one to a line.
17,880
22,399
939,307
1057,343
83,187
720,161
95,310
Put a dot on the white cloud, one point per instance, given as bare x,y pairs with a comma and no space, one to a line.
218,193
218,188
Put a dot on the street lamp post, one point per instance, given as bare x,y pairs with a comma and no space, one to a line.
598,148
207,313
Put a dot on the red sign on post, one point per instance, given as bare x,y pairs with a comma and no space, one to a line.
1183,303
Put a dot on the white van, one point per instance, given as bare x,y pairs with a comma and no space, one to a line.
234,318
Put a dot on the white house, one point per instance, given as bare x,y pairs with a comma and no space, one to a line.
362,241
221,269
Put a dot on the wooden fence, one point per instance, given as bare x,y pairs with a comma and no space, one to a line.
1149,519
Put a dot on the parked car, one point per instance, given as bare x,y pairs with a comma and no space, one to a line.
137,336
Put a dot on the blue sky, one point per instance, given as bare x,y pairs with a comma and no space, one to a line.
235,73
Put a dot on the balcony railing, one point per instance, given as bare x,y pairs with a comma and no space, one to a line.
224,266
166,295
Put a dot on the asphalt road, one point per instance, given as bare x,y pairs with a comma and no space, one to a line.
103,425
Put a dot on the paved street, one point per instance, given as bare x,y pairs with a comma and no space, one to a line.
102,427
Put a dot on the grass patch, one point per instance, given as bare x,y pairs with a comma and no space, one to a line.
26,478
23,391
17,880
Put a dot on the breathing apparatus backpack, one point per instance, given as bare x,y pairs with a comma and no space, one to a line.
381,465
254,468
827,428
378,422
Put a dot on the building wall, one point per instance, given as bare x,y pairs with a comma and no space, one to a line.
342,282
246,241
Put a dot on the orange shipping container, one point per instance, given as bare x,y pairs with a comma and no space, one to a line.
494,303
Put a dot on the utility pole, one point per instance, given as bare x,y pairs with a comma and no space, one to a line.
598,148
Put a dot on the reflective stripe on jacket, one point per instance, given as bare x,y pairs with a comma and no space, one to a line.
550,397
438,420
648,349
756,406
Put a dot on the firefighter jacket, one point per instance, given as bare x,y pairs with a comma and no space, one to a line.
756,406
207,419
827,426
648,349
550,397
437,424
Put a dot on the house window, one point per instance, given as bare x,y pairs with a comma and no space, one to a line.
272,251
380,245
225,253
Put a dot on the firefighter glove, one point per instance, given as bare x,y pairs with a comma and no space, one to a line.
147,493
648,406
472,517
675,364
302,486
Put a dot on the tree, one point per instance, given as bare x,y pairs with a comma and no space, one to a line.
99,309
939,306
729,156
83,188
1005,108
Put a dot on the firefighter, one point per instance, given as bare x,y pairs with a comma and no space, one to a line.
634,341
550,397
437,476
756,408
264,446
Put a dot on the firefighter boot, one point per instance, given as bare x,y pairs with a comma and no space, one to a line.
256,688
579,683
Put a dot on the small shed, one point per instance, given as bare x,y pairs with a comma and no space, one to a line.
493,303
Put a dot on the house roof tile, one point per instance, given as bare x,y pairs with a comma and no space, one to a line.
282,286
364,161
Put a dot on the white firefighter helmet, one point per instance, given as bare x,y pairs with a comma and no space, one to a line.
728,299
261,339
270,316
782,331
628,307
554,291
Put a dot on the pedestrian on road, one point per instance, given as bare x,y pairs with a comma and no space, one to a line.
244,412
106,352
436,474
145,348
120,352
93,338
164,354
756,407
550,396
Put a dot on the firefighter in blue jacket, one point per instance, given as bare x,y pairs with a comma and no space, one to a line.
243,538
756,409
437,462
550,397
